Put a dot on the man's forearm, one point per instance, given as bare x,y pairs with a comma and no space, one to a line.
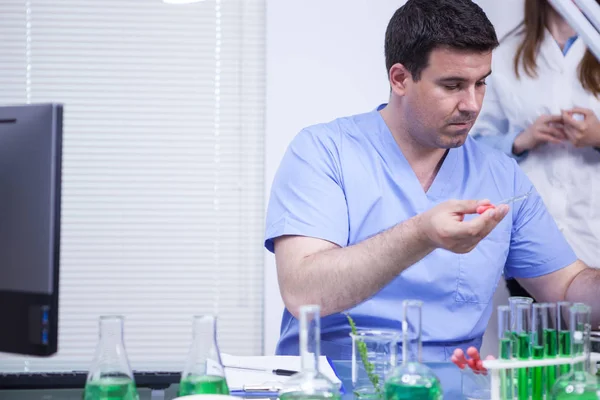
341,278
585,288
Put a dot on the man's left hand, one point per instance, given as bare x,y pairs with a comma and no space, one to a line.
582,133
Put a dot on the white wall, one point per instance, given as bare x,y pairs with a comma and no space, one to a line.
325,60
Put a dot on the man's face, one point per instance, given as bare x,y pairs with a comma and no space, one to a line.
442,106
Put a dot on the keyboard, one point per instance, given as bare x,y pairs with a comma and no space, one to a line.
76,380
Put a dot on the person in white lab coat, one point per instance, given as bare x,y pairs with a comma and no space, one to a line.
541,107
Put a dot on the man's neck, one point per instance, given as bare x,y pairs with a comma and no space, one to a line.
560,30
425,161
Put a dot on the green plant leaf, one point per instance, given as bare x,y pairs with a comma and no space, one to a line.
362,350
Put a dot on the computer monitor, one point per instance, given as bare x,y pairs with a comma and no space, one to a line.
30,201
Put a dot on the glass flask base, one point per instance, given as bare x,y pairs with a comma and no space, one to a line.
309,385
206,384
112,388
577,385
413,381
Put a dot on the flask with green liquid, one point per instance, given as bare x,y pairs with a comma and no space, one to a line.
204,372
110,376
412,379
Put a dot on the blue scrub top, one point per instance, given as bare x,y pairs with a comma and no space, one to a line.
347,180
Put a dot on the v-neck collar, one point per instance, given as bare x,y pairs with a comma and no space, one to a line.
406,176
555,58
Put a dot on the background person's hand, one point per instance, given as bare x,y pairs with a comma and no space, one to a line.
545,129
445,227
584,132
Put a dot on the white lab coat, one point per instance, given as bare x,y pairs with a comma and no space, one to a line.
567,178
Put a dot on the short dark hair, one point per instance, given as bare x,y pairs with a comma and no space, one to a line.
420,26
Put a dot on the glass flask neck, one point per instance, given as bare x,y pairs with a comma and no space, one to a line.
580,320
580,346
204,357
411,332
204,329
310,337
111,357
111,331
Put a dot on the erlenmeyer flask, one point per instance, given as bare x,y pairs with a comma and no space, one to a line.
411,379
110,376
309,384
579,383
204,373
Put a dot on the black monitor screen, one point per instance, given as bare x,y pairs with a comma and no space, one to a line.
30,198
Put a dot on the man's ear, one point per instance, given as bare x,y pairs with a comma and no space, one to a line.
399,77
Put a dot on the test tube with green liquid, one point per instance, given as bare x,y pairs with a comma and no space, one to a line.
551,344
564,334
513,302
539,326
505,341
523,333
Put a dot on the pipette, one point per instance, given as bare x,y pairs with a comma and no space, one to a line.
482,209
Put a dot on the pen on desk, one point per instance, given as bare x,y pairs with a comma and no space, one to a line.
278,371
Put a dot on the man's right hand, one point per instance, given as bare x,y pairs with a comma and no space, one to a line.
545,129
444,225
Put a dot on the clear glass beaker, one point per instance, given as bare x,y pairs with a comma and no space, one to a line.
110,376
476,386
579,383
203,372
374,355
310,384
412,379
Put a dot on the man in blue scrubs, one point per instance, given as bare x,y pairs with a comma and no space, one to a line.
372,209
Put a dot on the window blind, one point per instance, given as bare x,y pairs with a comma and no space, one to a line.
162,207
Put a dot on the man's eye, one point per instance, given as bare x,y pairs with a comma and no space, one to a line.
451,87
482,83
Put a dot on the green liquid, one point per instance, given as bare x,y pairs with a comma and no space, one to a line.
395,389
551,351
514,336
523,346
524,353
111,389
505,352
551,342
304,396
506,379
564,349
537,375
206,384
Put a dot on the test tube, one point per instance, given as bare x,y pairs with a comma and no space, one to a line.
523,333
513,302
539,326
551,344
564,334
505,340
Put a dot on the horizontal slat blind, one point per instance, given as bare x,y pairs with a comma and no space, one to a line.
163,167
